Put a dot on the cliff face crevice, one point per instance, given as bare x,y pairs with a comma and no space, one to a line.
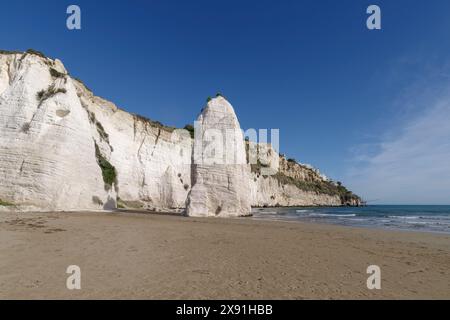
57,139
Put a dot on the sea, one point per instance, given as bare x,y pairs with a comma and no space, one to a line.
394,217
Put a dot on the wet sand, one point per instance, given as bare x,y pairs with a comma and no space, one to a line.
148,256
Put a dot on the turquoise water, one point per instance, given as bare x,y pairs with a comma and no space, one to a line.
415,218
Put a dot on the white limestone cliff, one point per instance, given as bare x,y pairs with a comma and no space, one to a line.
47,158
152,162
284,182
220,172
63,149
48,147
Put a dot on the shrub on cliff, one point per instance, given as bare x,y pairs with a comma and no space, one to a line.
37,53
108,170
191,130
5,203
101,131
10,52
47,94
56,74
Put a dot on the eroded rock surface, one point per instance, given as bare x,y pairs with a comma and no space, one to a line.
47,154
62,148
220,173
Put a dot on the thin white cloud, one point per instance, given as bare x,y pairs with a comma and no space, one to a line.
411,164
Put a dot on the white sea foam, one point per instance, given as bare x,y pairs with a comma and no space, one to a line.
379,217
404,217
331,215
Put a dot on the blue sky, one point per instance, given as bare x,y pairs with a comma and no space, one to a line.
369,108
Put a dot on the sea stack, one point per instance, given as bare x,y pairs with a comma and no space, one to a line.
220,174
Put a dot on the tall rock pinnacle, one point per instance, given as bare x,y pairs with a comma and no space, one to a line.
220,174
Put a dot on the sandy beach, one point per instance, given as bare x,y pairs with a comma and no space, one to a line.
150,256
